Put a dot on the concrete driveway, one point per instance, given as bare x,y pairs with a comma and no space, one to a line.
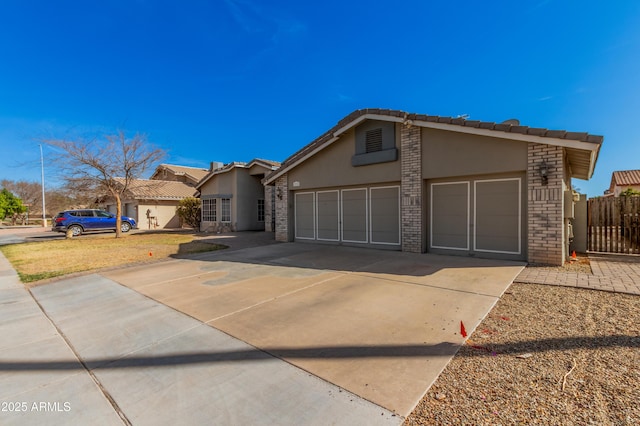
280,334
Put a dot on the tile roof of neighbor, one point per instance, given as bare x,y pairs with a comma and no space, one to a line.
146,189
196,172
509,126
626,177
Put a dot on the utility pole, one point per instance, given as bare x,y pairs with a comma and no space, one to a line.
44,214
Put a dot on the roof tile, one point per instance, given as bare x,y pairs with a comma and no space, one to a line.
627,177
536,131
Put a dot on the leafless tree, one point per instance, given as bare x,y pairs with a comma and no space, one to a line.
106,166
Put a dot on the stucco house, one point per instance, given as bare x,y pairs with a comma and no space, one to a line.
234,199
623,180
418,183
152,202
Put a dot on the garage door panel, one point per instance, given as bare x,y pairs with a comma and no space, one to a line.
497,207
305,215
385,215
450,215
354,215
328,215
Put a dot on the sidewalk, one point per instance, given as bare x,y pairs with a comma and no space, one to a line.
614,273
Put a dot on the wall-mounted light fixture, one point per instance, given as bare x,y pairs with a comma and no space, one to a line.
544,173
279,193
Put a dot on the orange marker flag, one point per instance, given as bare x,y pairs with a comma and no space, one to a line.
463,332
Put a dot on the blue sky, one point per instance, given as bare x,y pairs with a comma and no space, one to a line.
230,80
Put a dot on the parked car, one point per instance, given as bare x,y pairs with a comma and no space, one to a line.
86,220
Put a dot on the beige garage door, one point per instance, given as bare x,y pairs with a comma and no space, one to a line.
354,215
477,217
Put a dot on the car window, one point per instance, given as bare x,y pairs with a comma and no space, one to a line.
103,214
86,213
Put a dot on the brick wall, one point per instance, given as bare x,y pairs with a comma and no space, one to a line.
545,215
282,208
411,188
269,208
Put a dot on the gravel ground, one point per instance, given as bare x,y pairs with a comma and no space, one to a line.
579,265
536,340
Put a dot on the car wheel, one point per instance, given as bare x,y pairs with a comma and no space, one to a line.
125,227
75,230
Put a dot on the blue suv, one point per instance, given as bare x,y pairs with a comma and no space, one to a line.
79,221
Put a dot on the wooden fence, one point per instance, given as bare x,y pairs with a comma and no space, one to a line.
613,224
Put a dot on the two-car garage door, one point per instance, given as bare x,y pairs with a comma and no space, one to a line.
477,216
351,215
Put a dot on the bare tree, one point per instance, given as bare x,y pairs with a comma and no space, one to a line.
105,166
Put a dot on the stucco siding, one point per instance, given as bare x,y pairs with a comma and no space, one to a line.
249,190
332,167
449,154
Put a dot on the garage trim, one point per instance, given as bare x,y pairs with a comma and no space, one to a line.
371,230
366,216
313,212
475,213
337,213
431,215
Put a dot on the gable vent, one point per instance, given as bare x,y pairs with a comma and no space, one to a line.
373,140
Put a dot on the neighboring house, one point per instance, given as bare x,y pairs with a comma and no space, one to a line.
188,175
623,180
233,197
152,202
420,183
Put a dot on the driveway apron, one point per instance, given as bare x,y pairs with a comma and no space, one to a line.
160,366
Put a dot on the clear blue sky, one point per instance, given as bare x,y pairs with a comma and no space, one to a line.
230,80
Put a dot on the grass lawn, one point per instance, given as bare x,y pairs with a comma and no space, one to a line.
41,260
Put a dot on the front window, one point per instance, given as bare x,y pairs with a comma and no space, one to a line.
260,210
226,210
209,210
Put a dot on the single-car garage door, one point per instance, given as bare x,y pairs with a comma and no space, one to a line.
477,216
349,215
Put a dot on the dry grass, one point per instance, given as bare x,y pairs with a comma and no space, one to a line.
41,260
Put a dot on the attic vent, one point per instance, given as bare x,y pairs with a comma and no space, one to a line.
373,140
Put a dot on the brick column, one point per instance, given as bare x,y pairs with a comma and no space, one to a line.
269,207
282,208
411,188
544,212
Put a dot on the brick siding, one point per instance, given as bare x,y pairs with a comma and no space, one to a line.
269,207
545,215
282,208
411,188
